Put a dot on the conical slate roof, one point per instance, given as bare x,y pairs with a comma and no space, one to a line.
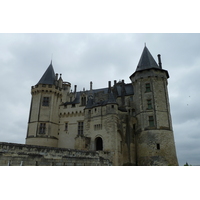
146,61
49,76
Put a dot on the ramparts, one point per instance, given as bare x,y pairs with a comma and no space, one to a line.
12,154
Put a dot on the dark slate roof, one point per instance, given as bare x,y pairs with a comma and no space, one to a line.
75,101
128,89
146,61
111,96
49,76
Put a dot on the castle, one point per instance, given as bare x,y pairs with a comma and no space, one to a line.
127,123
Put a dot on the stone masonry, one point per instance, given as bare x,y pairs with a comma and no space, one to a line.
12,154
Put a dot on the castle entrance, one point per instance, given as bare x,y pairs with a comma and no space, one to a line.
99,144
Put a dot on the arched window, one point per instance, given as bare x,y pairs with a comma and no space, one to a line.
99,144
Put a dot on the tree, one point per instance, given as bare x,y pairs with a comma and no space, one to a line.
186,164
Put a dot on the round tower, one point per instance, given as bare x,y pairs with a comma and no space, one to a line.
154,134
44,117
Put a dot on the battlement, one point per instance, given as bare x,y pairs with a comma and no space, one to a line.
45,87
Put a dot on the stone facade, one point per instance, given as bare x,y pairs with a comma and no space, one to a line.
131,121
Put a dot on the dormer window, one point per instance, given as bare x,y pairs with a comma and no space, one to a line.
83,101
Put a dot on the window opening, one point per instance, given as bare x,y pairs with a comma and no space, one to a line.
66,126
97,127
45,101
149,104
158,146
148,88
151,121
42,128
80,128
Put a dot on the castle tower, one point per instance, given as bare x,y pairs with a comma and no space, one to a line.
154,134
44,117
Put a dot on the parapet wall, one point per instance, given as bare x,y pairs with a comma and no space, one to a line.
12,154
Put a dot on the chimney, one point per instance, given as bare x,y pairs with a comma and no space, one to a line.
159,61
75,86
115,82
56,76
109,84
90,85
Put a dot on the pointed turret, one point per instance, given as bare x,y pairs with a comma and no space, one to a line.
49,76
155,140
44,111
146,61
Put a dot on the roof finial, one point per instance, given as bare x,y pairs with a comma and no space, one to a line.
51,58
145,44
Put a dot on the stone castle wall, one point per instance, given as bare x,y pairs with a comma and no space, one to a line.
12,154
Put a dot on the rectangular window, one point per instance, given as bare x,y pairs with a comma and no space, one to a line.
45,101
149,104
80,128
97,127
42,128
151,121
66,126
158,146
148,88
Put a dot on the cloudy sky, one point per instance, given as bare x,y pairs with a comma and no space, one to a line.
100,58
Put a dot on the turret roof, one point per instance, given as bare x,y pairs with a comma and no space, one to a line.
49,76
146,61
